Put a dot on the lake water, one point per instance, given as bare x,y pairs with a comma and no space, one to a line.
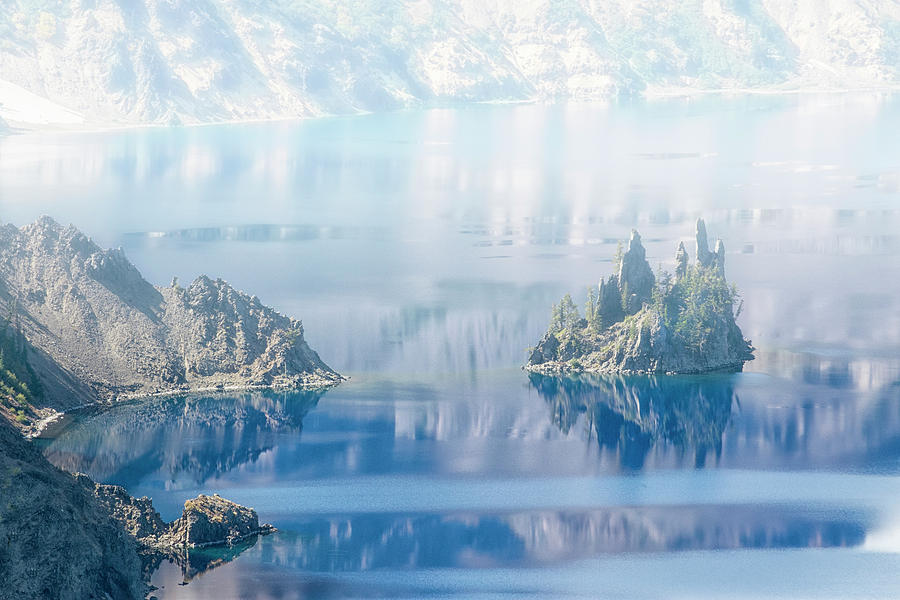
423,250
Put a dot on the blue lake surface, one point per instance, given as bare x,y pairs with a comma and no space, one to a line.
423,250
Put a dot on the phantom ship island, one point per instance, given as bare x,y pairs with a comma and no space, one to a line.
638,323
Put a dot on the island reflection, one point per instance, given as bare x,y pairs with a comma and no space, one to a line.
628,415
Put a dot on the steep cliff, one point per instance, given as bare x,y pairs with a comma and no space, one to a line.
92,327
637,324
56,539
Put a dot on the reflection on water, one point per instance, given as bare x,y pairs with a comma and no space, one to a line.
629,414
372,541
194,562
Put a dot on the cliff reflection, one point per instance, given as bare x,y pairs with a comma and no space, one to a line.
630,414
188,440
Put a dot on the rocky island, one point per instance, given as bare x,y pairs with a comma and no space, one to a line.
640,323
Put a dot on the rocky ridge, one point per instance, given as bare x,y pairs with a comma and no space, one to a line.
156,61
638,324
95,329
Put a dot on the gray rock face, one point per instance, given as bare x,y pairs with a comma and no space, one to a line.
56,539
547,349
99,330
719,258
635,276
704,256
609,301
205,521
137,515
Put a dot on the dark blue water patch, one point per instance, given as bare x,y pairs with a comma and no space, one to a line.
629,415
496,425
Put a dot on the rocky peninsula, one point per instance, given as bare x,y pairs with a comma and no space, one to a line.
639,323
80,325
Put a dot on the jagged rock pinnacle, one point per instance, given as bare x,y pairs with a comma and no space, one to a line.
609,301
719,258
704,256
636,279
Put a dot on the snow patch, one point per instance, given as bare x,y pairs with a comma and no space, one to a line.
20,106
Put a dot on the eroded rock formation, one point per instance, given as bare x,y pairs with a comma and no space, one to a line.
205,521
635,276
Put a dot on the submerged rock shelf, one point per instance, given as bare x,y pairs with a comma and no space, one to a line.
636,322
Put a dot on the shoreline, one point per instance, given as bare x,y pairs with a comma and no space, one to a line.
559,369
650,94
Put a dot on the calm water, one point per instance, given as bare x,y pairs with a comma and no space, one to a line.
423,250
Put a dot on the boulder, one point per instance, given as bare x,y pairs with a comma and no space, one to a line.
213,520
205,520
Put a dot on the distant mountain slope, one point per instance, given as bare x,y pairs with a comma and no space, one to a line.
164,61
92,327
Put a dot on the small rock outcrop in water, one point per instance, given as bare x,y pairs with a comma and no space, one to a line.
212,520
96,329
635,276
636,324
205,521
